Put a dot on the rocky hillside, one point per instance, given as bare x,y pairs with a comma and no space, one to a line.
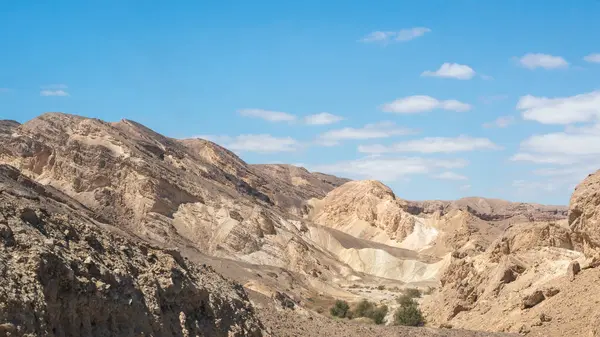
64,274
535,279
189,193
491,209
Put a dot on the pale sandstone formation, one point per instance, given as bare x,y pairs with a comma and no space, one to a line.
64,274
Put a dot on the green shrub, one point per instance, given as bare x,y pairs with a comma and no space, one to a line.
340,309
378,314
368,309
406,301
363,308
409,315
413,292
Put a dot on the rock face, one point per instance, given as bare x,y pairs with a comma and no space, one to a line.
365,209
172,192
491,209
64,274
515,272
584,215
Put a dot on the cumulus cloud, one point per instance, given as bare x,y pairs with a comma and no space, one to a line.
592,58
260,143
449,175
54,90
433,145
323,118
452,70
546,61
268,115
400,36
388,169
422,103
370,131
500,122
561,110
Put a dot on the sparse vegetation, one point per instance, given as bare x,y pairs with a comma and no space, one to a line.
408,313
381,287
370,310
413,292
340,309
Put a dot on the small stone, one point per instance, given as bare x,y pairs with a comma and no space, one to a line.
88,261
573,269
7,329
50,243
545,318
532,299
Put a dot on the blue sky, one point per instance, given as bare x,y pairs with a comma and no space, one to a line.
439,99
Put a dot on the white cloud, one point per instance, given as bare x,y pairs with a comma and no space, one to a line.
452,70
533,61
323,118
449,175
411,33
48,92
261,143
370,131
465,187
593,58
54,90
388,169
422,103
401,36
579,146
271,116
500,122
434,145
561,110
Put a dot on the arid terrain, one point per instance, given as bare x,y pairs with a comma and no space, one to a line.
111,229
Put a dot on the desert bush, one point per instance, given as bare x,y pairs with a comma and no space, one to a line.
368,309
413,292
408,313
340,309
378,314
410,316
363,308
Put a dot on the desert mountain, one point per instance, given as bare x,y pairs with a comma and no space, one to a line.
283,232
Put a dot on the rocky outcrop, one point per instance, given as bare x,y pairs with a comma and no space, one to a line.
490,209
366,209
64,274
584,213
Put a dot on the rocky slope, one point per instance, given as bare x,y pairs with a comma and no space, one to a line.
64,274
180,193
